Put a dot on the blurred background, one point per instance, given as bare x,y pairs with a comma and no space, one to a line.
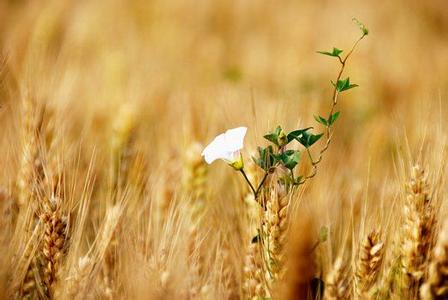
187,70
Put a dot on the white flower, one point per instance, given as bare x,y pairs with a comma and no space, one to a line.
227,146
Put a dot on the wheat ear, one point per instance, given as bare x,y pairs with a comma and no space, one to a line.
368,263
337,282
419,224
77,281
276,225
30,169
194,175
29,188
122,145
194,179
254,286
229,275
436,286
55,225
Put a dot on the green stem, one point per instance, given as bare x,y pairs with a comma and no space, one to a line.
255,191
250,184
261,184
310,156
329,127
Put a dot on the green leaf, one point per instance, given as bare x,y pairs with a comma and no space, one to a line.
272,137
335,52
361,26
265,159
323,234
344,84
308,139
325,53
290,158
334,117
294,135
321,120
328,122
314,138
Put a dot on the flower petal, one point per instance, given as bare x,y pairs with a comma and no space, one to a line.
215,150
231,157
235,138
225,146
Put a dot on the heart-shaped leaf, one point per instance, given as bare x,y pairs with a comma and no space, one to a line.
293,135
335,52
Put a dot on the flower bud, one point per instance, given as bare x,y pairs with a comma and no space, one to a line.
237,164
282,139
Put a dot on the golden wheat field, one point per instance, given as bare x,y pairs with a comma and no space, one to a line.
223,149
